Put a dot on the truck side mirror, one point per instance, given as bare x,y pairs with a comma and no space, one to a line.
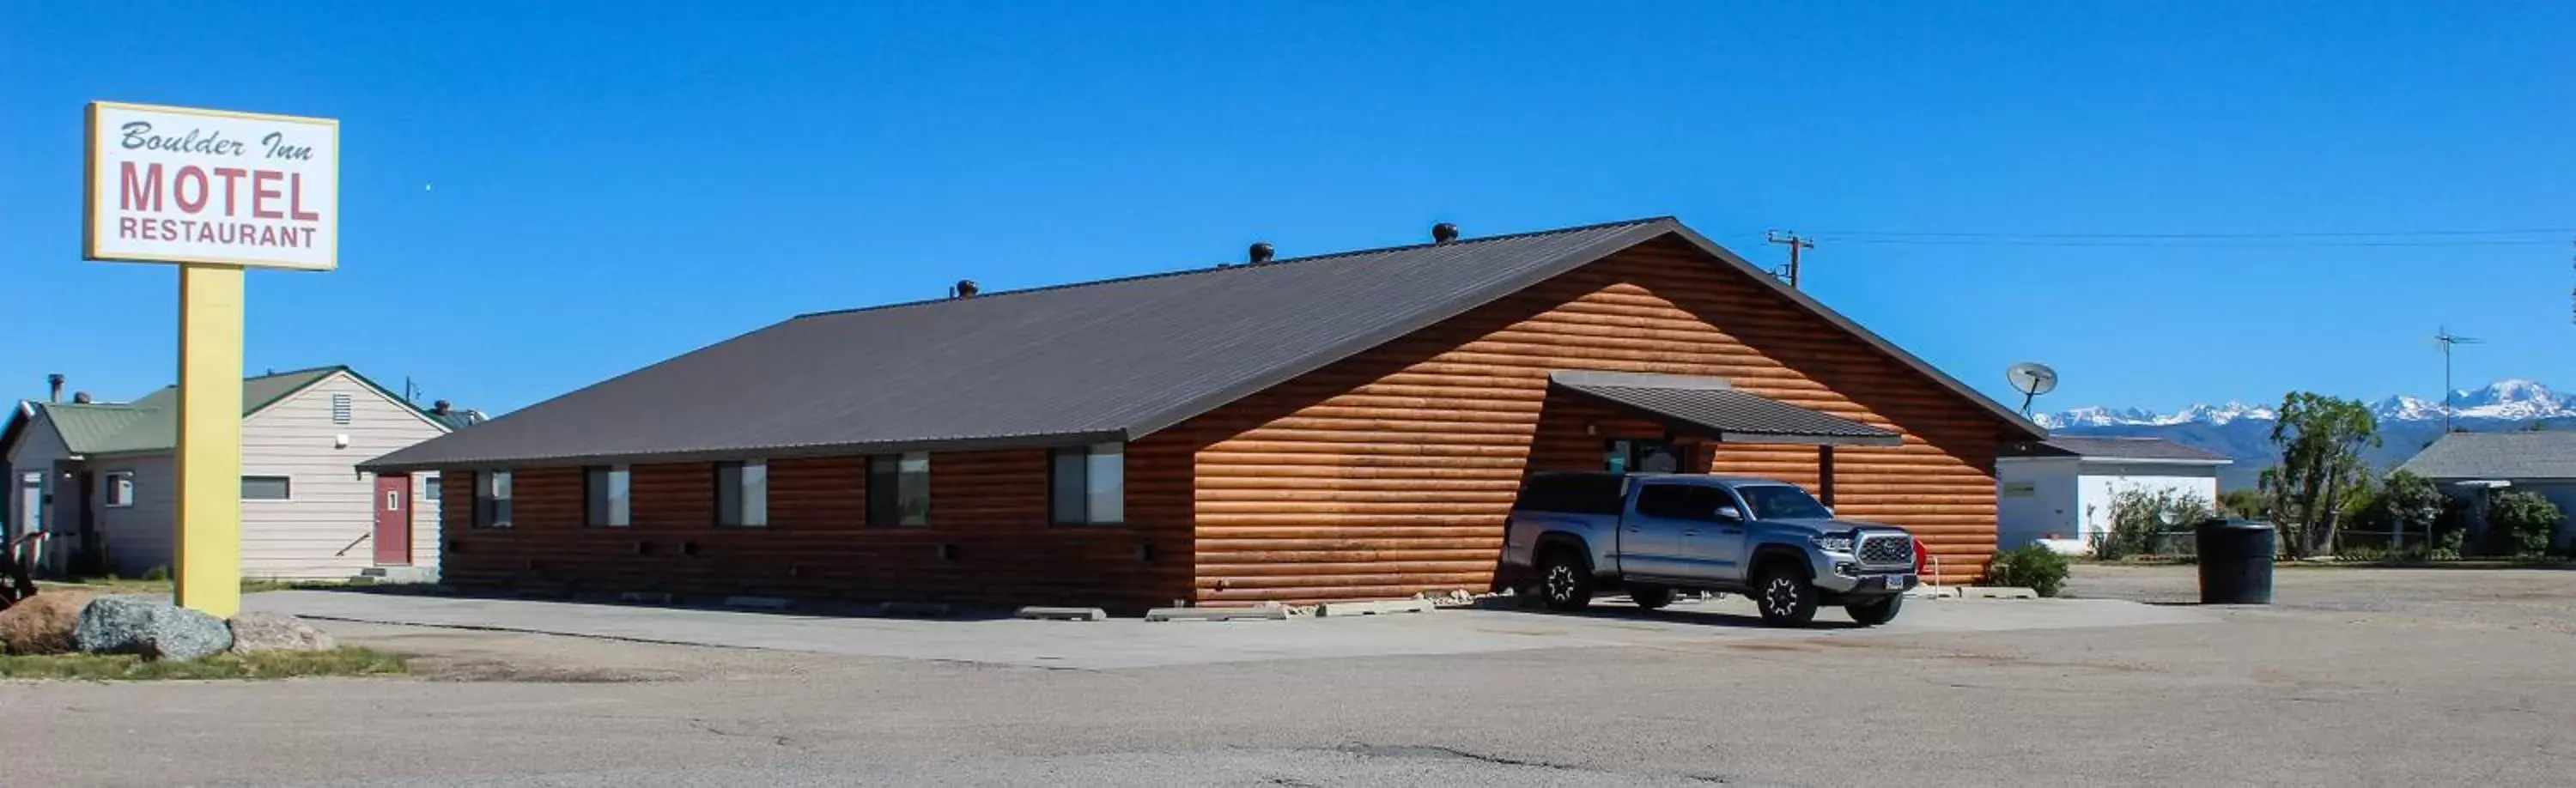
1727,513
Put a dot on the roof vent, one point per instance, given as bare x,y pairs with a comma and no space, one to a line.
1262,252
1444,232
55,383
965,289
80,398
440,407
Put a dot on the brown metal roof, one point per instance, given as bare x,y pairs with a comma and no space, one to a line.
1731,416
1109,360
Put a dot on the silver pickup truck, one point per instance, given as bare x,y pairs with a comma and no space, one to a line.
1572,534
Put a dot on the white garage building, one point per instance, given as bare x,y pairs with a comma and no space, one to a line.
2058,491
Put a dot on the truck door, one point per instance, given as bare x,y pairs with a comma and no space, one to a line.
1683,524
1663,526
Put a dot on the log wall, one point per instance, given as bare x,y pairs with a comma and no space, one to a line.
988,507
1389,473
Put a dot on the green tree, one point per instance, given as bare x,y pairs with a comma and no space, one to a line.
2321,439
2138,515
2527,519
2246,503
2407,504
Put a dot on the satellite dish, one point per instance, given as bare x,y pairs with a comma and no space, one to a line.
2032,379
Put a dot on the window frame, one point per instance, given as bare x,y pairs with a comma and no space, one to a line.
736,486
491,500
285,486
885,482
605,480
107,490
1088,461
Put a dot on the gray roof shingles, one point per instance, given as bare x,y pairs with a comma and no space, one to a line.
1737,414
1106,360
2497,455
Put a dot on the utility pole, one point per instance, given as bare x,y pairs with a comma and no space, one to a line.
2443,336
1789,238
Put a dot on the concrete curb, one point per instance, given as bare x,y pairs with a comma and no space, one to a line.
1998,592
1380,607
1262,613
1063,613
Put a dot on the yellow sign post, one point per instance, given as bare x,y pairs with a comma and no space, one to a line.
210,411
216,192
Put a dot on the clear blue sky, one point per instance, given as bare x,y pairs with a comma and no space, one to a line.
537,198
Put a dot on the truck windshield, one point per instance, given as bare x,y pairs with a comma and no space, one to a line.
1781,502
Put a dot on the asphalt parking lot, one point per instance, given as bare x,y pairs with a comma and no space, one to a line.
2368,677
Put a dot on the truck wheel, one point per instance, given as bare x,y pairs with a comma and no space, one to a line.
1564,581
1871,614
1787,600
1650,597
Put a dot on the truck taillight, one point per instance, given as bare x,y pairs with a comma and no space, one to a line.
1918,556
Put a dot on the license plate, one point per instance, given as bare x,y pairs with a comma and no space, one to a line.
1897,582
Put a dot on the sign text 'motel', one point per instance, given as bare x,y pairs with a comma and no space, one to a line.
168,184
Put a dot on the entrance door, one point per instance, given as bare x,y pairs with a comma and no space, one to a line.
393,519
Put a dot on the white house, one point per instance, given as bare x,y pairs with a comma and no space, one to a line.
2058,492
94,484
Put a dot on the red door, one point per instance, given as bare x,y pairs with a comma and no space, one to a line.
393,519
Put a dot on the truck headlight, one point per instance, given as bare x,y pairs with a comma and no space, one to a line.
1833,543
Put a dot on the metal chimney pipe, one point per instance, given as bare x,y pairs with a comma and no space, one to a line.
54,382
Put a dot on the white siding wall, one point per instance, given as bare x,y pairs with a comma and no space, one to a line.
2100,482
39,447
2035,497
332,504
138,538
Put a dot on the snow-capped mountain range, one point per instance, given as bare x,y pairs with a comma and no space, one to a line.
2407,424
2503,400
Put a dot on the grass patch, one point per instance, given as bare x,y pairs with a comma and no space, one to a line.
259,665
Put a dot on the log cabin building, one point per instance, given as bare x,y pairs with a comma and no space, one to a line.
1350,425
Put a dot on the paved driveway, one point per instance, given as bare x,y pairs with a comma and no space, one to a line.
1133,643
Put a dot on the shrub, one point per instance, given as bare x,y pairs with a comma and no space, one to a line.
2527,519
2138,515
2029,566
158,573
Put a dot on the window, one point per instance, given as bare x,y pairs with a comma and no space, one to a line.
605,494
264,488
431,490
492,499
1088,484
899,489
339,408
1781,502
120,489
1682,502
742,494
1573,493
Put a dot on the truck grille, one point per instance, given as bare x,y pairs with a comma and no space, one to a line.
1887,550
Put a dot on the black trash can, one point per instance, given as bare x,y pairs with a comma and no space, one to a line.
2236,561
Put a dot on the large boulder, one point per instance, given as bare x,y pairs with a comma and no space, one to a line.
42,624
277,632
151,627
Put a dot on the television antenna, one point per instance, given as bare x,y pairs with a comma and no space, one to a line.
2442,336
2032,379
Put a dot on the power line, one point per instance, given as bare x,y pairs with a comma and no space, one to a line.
2281,243
2153,236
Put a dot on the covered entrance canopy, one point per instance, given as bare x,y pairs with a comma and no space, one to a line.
1711,407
